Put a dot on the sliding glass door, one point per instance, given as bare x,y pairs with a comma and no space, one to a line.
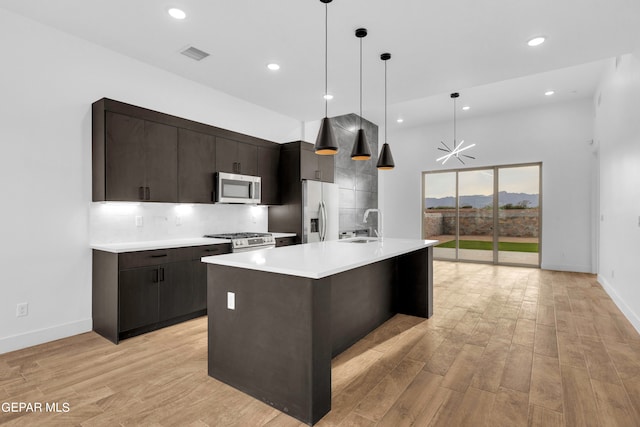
485,214
475,215
439,220
519,215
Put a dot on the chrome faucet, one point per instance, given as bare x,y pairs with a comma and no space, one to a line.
366,215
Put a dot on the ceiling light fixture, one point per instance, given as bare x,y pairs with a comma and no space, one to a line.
361,150
385,160
457,149
273,66
177,13
536,41
400,120
328,97
549,92
326,141
466,108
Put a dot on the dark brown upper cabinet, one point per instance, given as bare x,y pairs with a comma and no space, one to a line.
314,166
144,155
196,167
141,160
236,157
268,166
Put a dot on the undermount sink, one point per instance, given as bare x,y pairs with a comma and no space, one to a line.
360,241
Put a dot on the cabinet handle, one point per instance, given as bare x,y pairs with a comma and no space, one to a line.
162,274
213,199
159,256
212,250
155,275
239,167
318,175
141,193
147,193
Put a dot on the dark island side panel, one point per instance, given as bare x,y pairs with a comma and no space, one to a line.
276,344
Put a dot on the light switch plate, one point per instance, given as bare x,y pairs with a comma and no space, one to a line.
231,300
139,221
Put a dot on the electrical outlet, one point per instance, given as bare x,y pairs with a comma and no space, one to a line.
231,300
139,221
178,220
22,309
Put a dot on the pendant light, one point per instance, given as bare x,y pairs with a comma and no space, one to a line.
326,141
385,160
361,149
457,149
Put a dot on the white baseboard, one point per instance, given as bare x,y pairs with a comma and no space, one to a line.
622,305
41,336
572,268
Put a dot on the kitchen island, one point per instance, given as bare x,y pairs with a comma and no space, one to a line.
278,316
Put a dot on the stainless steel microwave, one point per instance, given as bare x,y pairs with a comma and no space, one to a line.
234,188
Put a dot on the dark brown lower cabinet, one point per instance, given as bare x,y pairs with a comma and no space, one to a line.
285,241
137,292
183,290
138,297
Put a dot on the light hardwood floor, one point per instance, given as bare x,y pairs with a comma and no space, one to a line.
506,347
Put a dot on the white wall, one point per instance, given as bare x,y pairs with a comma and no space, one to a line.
617,132
48,81
558,135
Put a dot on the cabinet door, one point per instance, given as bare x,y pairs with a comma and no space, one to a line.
138,297
125,158
326,167
161,143
226,155
247,159
268,163
183,289
309,165
196,167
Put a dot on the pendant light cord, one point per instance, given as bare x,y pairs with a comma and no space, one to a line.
326,56
454,123
360,82
385,101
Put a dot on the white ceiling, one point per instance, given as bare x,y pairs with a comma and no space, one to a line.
476,47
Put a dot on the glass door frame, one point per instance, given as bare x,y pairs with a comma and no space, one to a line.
496,211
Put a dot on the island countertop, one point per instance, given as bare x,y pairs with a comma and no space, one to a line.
321,259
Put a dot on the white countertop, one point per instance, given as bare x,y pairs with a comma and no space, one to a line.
322,259
166,244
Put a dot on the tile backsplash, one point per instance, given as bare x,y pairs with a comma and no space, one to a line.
116,222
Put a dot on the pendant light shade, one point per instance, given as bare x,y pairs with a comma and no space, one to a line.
326,141
385,160
361,150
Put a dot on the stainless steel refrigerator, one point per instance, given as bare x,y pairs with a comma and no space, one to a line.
319,211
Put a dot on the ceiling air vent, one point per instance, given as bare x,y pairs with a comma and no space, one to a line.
194,53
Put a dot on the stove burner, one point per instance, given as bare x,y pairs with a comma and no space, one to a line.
237,235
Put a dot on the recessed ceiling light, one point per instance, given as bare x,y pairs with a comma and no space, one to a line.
328,97
273,66
549,92
466,107
177,13
536,41
400,120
